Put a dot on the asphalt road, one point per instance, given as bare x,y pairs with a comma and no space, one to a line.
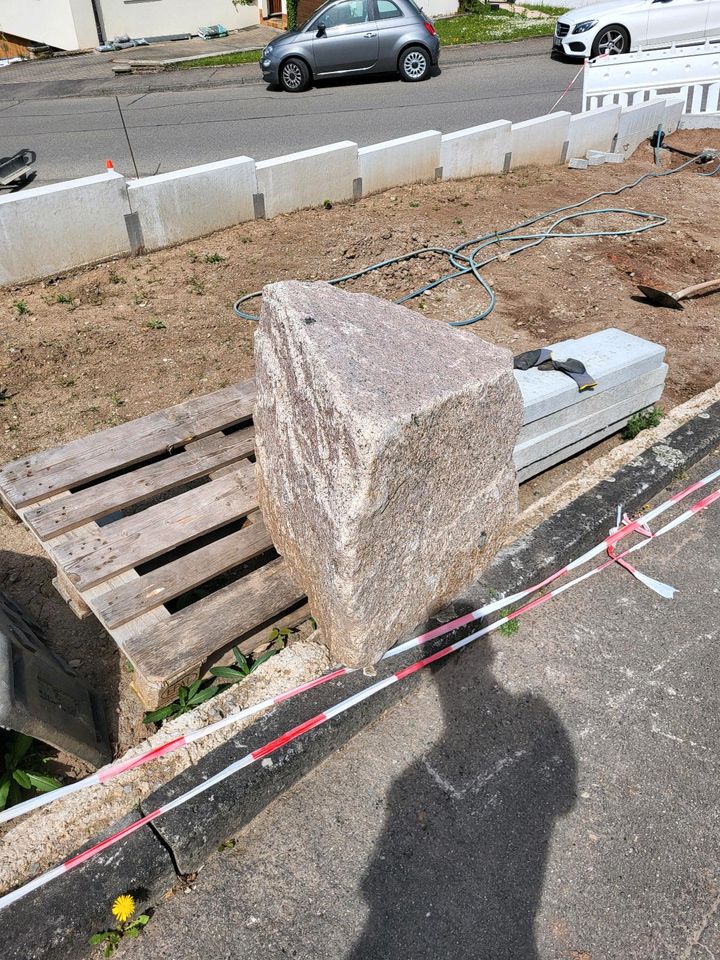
74,136
550,795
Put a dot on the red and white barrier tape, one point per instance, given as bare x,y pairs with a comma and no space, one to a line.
566,90
109,773
370,691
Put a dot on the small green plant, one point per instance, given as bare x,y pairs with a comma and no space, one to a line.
154,323
20,307
123,909
115,277
642,421
414,203
116,400
244,667
63,298
509,628
213,258
139,299
187,699
22,768
327,204
277,639
197,286
5,397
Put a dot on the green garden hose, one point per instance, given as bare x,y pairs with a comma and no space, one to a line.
464,257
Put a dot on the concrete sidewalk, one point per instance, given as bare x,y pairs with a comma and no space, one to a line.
551,794
99,66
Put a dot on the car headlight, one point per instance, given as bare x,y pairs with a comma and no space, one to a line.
585,25
267,50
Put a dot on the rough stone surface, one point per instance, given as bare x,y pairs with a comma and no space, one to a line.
384,443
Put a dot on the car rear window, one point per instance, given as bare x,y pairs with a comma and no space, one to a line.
387,10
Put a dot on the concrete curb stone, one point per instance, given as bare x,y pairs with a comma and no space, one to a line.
57,921
66,912
587,519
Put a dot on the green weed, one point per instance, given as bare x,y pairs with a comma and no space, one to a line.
642,421
22,768
187,699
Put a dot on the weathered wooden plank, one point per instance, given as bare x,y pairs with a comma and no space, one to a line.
70,595
136,626
180,644
35,477
109,550
155,588
199,459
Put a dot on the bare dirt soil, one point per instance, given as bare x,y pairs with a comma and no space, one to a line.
108,343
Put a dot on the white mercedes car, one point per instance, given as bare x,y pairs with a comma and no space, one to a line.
619,27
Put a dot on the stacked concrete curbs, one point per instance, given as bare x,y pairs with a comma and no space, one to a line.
97,218
560,420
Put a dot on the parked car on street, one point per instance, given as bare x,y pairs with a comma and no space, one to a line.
612,27
351,37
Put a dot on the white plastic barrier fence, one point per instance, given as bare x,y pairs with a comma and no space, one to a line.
692,72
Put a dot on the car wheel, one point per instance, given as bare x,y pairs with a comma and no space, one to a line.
611,40
294,75
414,64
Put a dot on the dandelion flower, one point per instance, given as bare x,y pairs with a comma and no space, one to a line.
123,907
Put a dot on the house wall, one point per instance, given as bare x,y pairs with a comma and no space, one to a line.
157,18
67,24
433,8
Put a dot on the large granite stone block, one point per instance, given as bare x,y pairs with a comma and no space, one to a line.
384,443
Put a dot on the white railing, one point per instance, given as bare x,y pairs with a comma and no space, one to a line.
690,71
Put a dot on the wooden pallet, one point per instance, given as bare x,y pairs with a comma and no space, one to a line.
154,527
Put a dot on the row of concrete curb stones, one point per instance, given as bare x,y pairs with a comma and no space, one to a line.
57,921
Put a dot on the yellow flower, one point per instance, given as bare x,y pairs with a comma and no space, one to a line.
124,907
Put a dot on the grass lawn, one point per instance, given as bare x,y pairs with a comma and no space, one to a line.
220,60
496,26
546,8
482,27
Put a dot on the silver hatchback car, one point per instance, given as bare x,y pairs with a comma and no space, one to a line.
353,37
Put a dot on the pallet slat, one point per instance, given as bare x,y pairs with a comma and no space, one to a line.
70,498
170,649
150,590
143,536
198,460
35,477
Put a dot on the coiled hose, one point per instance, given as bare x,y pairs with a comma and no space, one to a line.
464,258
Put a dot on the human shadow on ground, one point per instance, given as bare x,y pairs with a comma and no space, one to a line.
458,870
